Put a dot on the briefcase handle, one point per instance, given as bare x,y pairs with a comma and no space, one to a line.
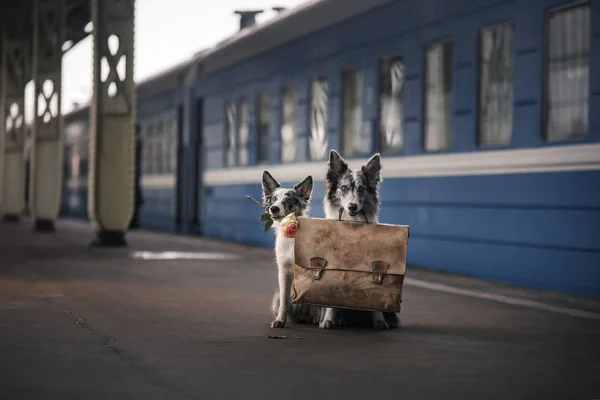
361,211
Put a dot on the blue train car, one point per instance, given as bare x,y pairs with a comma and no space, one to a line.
75,164
486,114
159,117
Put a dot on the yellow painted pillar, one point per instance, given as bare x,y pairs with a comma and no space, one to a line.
12,128
47,143
112,121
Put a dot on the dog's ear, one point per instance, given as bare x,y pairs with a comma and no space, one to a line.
336,163
372,168
304,188
269,184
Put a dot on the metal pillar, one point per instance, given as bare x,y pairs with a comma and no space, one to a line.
112,121
12,128
46,150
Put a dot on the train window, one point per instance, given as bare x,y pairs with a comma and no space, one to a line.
165,140
149,129
149,156
243,133
318,141
173,143
157,167
262,131
145,140
229,134
496,63
352,95
288,126
567,72
438,96
391,82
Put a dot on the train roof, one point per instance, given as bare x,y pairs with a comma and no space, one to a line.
167,79
287,26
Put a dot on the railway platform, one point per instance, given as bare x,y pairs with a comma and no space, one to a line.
179,317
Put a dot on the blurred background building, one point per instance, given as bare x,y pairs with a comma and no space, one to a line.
486,114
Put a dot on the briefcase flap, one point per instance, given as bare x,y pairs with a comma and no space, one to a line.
326,244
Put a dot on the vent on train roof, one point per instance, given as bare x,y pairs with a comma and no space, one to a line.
247,17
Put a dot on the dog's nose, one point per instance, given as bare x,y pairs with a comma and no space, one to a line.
352,207
274,209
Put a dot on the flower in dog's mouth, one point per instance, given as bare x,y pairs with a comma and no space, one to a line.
289,226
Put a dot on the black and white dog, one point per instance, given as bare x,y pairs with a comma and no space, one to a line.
284,202
356,195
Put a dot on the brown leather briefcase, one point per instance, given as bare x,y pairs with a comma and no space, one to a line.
354,265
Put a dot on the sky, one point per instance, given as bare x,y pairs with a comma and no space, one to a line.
167,33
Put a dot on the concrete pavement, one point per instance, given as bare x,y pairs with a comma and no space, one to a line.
109,324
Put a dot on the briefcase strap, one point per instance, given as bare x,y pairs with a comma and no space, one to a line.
361,211
365,217
317,265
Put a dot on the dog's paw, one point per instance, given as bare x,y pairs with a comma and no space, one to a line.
392,319
278,324
326,324
380,324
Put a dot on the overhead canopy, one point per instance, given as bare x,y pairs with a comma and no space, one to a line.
16,19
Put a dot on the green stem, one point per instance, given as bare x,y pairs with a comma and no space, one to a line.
259,204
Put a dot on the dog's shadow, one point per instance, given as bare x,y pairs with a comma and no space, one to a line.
416,330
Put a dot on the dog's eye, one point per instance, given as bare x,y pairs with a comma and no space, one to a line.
344,188
361,189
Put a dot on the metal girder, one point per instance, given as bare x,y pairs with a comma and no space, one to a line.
16,21
46,159
112,121
17,33
15,68
15,61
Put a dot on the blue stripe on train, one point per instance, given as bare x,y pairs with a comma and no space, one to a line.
537,230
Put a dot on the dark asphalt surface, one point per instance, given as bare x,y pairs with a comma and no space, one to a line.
96,324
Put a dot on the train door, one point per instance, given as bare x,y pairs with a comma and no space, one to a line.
197,163
189,172
180,173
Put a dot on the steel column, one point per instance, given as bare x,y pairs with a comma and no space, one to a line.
12,127
46,152
112,121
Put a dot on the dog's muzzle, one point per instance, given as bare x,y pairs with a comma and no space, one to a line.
344,211
353,209
274,211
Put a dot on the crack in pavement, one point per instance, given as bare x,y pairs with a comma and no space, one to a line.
107,340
